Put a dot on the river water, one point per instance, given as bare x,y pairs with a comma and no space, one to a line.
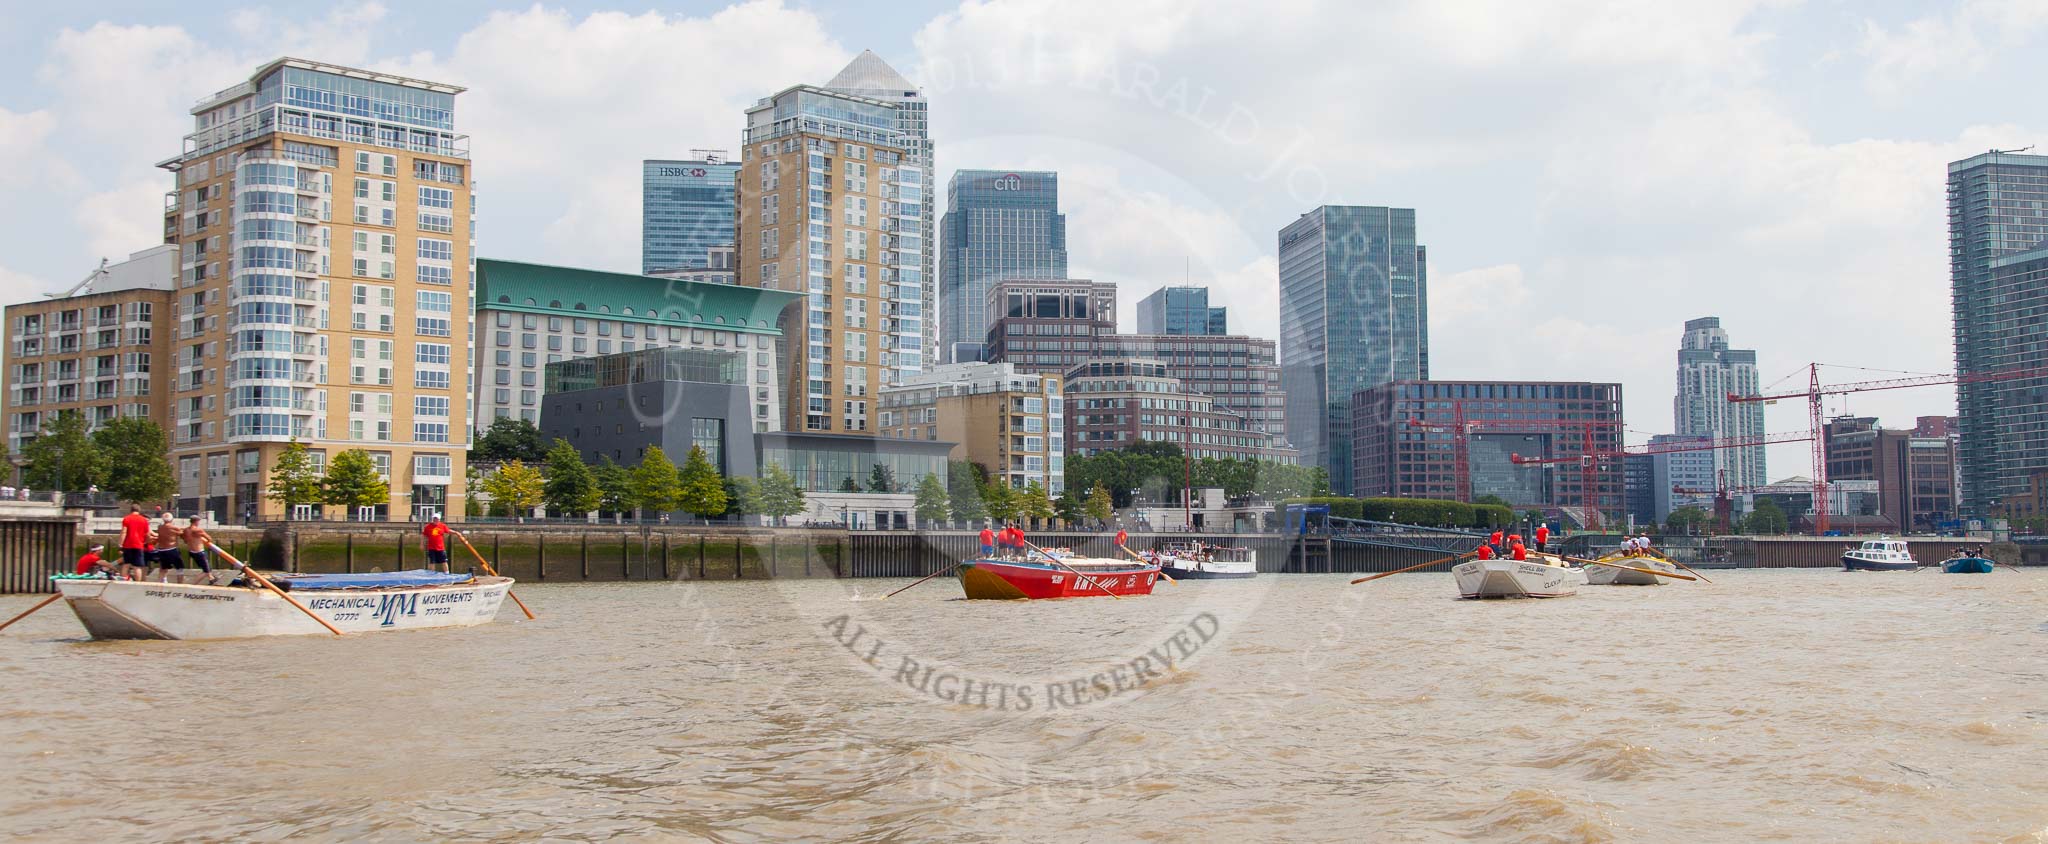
1788,705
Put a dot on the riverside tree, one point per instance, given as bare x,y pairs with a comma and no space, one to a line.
509,439
1000,500
614,487
780,495
293,480
352,481
654,483
965,482
742,497
1032,502
703,491
881,478
932,506
137,454
62,456
517,486
571,487
1099,505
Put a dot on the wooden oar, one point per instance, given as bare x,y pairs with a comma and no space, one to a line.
31,610
1412,568
1077,572
1631,568
251,573
942,570
1162,566
1702,577
492,572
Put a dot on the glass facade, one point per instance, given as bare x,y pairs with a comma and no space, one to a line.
645,367
686,208
999,224
1354,314
1181,310
1998,272
828,463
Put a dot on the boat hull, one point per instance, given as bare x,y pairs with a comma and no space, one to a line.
127,609
1209,573
1516,579
1967,565
1858,564
1610,576
1015,580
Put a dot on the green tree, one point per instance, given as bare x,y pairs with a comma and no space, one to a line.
1766,519
571,487
1000,500
1686,520
780,496
509,439
472,483
137,454
848,485
1068,508
964,483
1492,499
517,486
1032,502
703,491
352,481
62,456
1100,506
881,478
654,483
293,480
614,486
932,504
742,497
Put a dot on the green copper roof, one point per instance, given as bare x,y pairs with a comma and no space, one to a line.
595,294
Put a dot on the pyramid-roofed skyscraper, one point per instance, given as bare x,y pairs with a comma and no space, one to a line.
869,76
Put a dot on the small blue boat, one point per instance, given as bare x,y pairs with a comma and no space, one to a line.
1967,565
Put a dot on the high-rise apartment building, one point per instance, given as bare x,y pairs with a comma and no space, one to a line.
1118,403
1011,422
870,77
1181,310
999,225
1354,314
1998,278
686,211
98,349
324,225
1708,372
1053,326
833,205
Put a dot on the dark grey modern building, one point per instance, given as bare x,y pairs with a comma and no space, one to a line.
1181,310
999,224
1998,275
686,209
1354,314
618,405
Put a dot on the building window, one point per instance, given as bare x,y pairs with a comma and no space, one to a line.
709,435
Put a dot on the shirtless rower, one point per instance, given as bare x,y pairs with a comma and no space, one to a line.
196,540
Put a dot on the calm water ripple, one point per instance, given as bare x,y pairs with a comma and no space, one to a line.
1792,705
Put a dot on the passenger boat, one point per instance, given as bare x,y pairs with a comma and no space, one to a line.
1611,576
1195,561
1967,565
1884,554
353,603
1540,576
1038,577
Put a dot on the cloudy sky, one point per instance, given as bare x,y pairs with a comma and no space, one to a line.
1587,175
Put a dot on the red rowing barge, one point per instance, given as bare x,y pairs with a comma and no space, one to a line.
1038,578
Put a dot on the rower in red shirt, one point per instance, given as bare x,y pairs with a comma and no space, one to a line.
1485,552
988,542
1542,537
1122,538
434,538
134,544
91,562
1521,551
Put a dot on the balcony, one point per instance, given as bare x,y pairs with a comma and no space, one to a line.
308,213
309,241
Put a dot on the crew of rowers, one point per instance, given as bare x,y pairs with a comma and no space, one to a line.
1009,541
1637,546
1506,546
160,544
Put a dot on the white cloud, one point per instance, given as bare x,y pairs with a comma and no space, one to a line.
122,220
1957,41
22,287
22,137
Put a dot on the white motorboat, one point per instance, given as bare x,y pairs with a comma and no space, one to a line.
1883,554
1539,576
1196,561
1611,576
353,603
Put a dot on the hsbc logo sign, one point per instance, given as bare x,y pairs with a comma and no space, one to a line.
1007,183
698,172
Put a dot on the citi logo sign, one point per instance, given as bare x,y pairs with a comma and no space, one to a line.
1009,182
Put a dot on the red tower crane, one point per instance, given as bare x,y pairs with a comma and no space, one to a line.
1591,457
1461,430
1814,391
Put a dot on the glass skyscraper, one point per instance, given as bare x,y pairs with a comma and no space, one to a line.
870,77
999,225
1181,310
686,208
1354,314
1998,274
1708,371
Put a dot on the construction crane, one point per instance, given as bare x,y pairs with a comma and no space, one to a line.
1724,501
1461,430
1711,444
1814,392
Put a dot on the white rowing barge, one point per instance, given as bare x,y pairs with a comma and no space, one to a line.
353,603
1537,577
1611,576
